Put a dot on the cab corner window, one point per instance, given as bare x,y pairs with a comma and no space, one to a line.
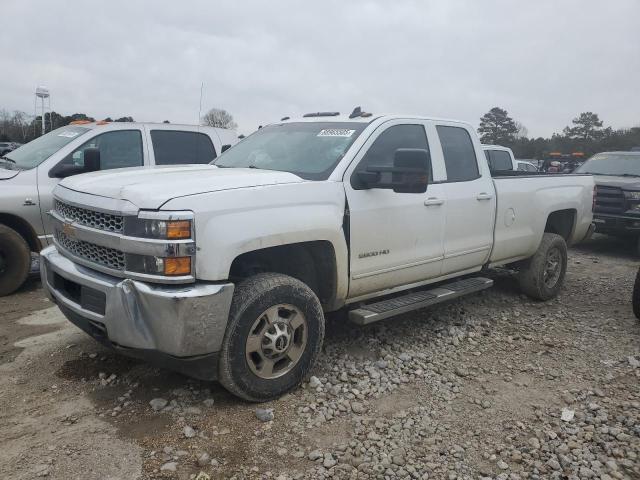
174,147
459,155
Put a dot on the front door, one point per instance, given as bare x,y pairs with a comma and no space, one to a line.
395,238
118,149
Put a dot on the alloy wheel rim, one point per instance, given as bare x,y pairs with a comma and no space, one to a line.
552,268
276,341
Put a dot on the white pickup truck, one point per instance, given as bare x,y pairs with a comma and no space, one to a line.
29,174
225,271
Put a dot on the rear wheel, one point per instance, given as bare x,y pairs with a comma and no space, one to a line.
274,334
636,296
15,260
542,276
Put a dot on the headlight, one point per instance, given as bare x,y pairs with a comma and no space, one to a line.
159,229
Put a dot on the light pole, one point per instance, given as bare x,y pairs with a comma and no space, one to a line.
43,93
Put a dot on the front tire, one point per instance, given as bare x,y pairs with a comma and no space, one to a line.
15,260
636,296
542,276
274,334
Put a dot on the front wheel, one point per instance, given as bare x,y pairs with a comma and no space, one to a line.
15,260
274,334
542,276
636,296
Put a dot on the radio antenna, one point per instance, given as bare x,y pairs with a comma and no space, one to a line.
200,109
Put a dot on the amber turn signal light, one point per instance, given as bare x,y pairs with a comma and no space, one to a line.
177,266
179,229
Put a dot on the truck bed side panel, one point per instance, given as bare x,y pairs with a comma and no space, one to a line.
524,205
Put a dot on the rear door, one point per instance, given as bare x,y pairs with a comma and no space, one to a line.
395,238
470,198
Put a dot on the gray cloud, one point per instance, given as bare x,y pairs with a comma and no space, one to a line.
543,61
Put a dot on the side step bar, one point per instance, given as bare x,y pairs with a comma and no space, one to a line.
413,301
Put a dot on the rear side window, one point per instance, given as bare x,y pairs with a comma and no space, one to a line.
499,160
173,147
459,154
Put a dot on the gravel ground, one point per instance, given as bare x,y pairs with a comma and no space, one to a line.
493,386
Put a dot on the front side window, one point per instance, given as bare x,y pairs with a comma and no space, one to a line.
310,150
118,149
174,147
459,154
32,154
381,152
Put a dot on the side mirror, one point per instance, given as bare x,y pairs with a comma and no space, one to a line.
91,164
409,173
91,159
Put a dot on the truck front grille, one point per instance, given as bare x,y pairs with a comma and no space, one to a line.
107,257
90,218
609,200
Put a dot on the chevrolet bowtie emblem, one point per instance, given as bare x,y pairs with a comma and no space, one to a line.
69,230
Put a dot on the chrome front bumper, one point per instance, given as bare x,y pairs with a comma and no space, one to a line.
176,320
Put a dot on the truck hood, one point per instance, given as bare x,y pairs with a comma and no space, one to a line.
8,174
150,188
626,183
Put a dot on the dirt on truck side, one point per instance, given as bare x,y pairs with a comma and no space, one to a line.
494,385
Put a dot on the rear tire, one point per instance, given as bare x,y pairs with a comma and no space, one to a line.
542,276
274,334
15,260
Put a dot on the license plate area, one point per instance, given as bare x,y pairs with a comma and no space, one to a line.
88,298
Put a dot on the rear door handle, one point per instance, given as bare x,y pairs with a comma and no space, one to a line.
433,201
484,196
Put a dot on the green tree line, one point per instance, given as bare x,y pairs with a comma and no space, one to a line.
586,134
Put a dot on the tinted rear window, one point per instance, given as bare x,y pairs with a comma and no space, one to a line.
173,147
499,160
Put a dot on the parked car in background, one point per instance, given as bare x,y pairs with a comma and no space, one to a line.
6,147
29,174
617,200
524,166
499,157
225,271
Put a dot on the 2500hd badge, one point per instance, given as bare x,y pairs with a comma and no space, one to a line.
373,254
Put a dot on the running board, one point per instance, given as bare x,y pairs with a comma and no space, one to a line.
413,301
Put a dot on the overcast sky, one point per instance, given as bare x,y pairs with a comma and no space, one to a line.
544,60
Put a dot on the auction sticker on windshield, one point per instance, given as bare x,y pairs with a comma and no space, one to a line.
335,132
68,134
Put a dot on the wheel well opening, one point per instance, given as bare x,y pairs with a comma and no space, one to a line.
313,263
23,228
562,223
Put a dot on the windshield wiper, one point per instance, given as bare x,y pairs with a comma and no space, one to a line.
8,159
628,175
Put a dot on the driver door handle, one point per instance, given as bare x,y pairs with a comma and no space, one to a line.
433,201
484,196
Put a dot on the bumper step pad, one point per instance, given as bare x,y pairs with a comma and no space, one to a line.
413,301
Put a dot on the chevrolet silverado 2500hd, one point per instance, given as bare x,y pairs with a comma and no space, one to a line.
29,174
225,271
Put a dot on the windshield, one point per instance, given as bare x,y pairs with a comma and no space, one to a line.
621,164
309,150
32,154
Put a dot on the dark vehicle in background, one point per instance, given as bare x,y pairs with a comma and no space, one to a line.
617,200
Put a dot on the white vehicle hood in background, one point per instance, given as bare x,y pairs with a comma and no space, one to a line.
150,188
